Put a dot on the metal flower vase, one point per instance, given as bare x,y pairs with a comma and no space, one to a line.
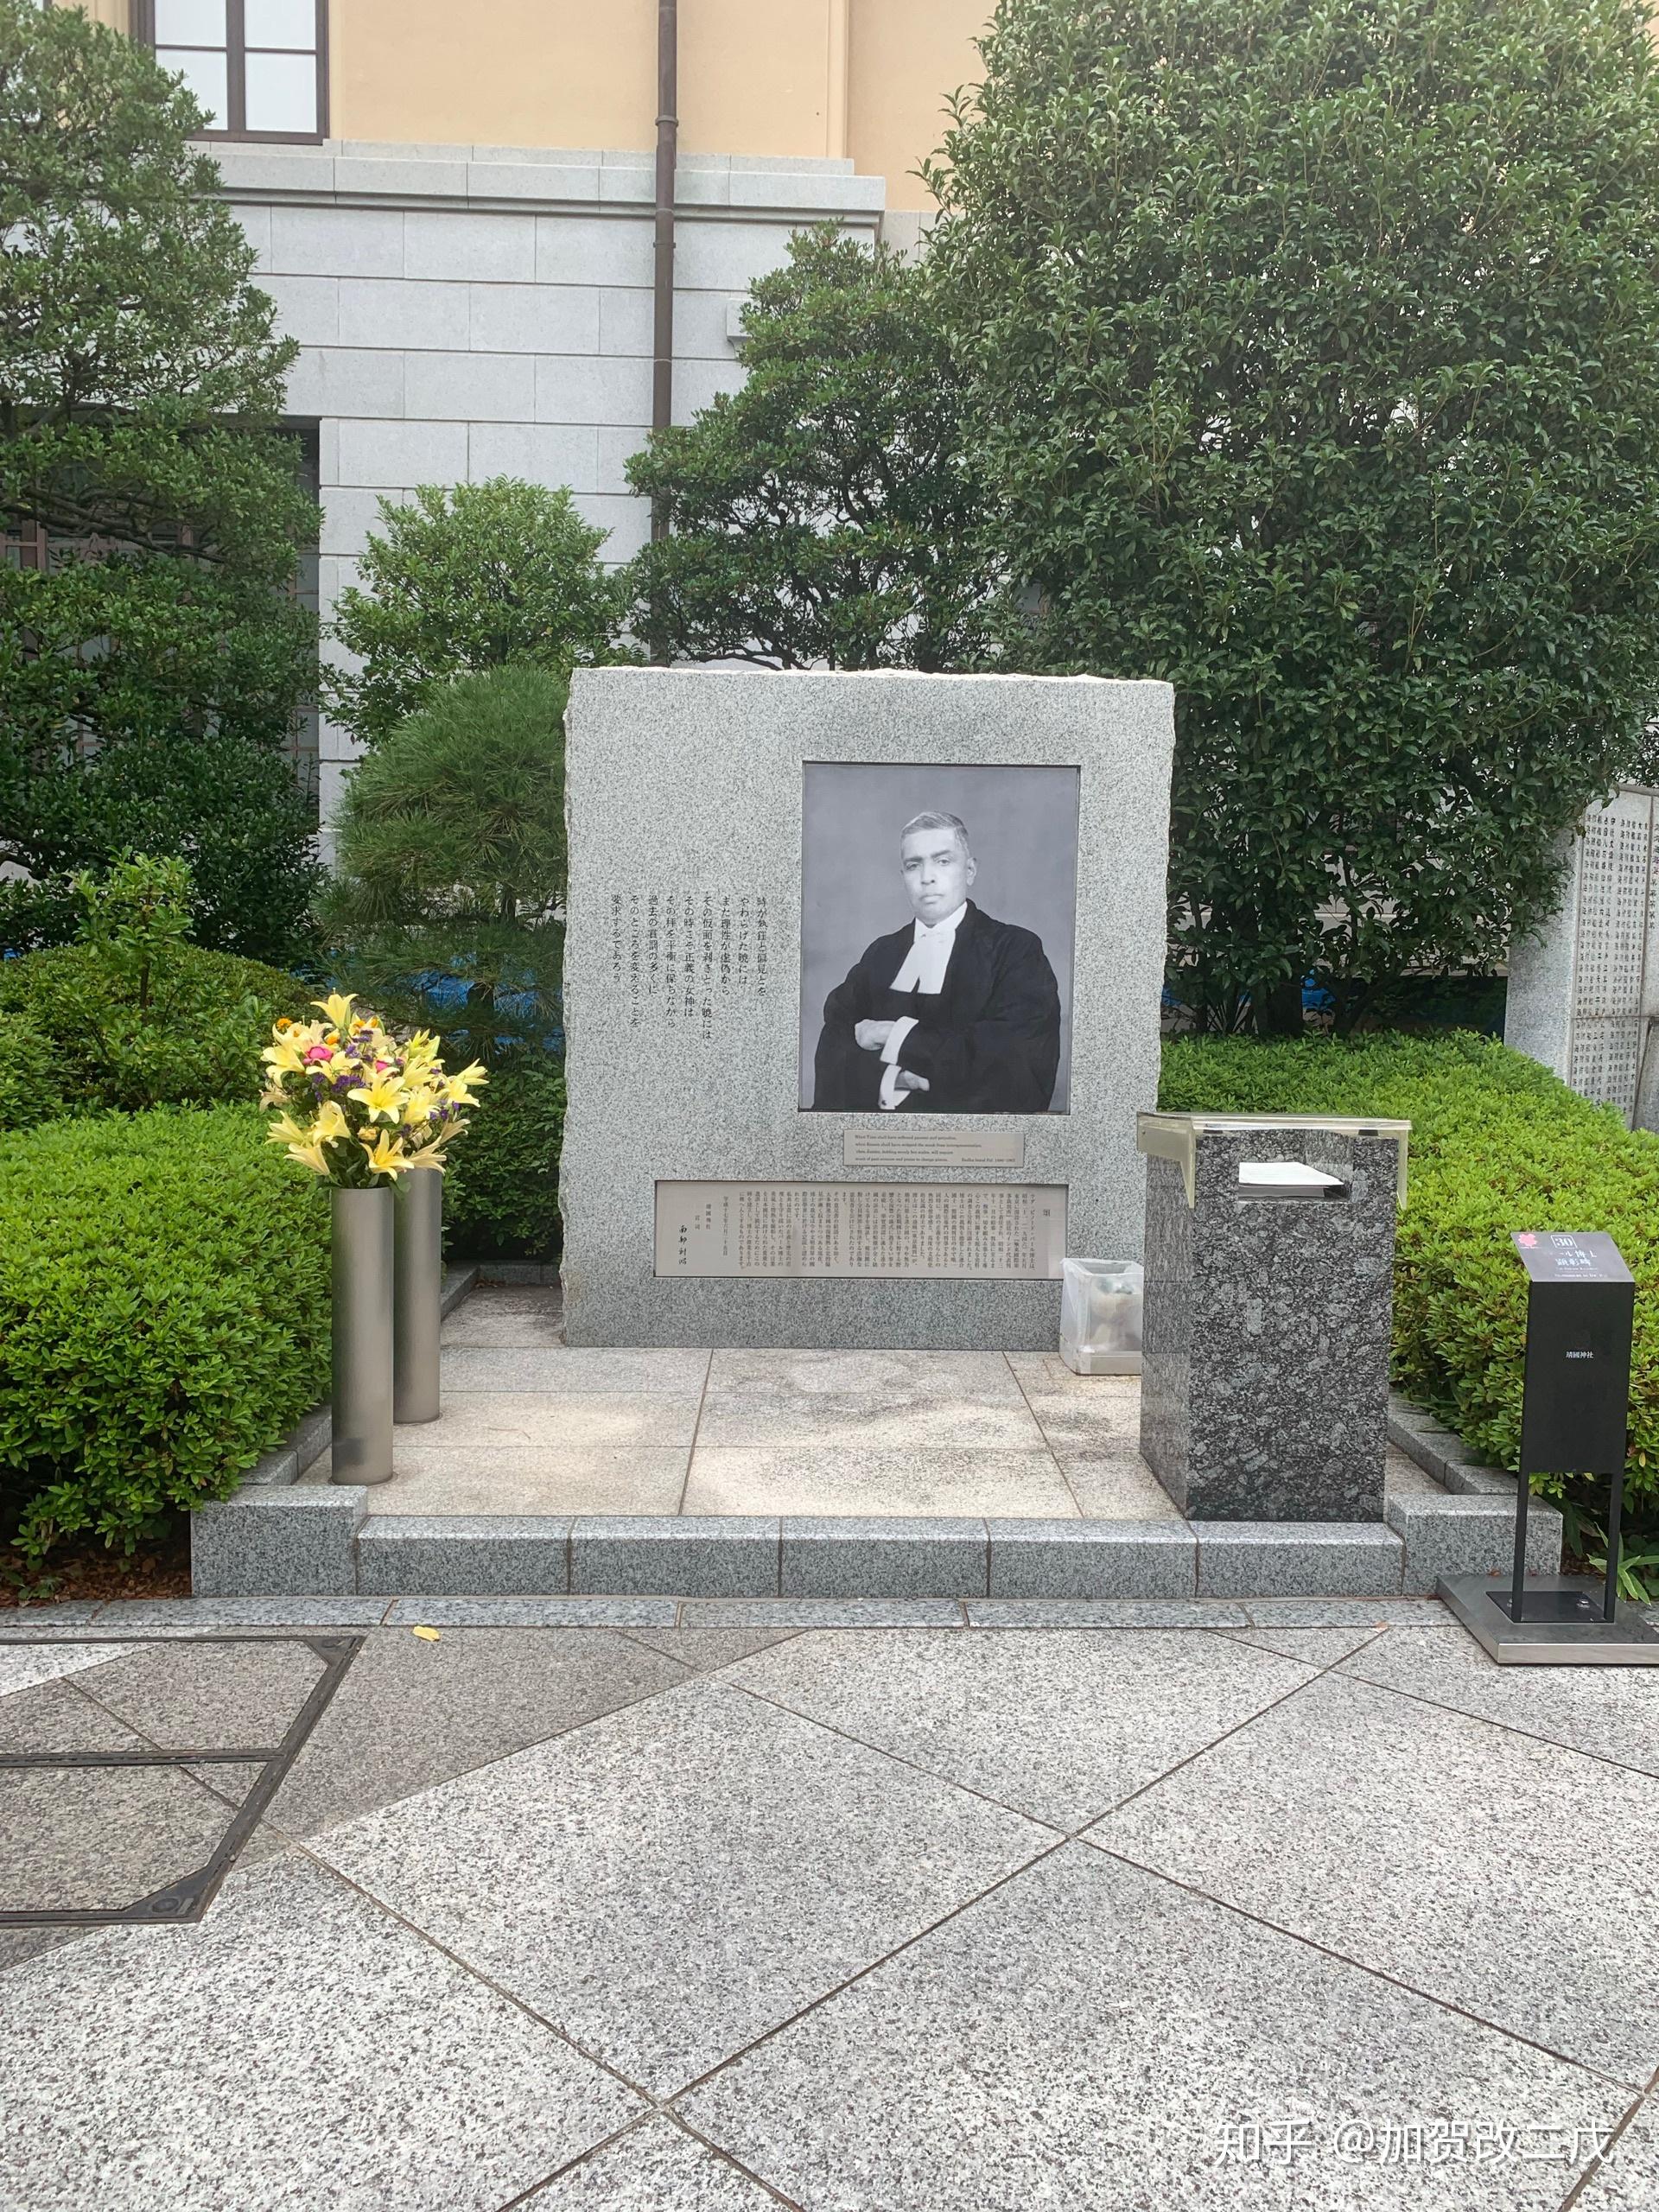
363,1241
418,1274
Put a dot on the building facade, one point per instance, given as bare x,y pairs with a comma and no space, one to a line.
456,212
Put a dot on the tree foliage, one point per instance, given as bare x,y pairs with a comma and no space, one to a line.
448,898
822,515
1309,354
482,576
147,625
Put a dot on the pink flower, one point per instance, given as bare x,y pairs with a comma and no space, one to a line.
316,1052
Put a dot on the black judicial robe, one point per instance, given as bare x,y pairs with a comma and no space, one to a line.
988,1042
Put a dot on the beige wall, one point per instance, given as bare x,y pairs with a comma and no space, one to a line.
116,13
502,73
905,56
864,78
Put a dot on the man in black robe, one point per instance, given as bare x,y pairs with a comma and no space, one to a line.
954,1014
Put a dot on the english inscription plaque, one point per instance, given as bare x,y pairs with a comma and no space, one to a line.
899,1143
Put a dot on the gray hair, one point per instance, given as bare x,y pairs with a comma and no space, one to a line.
939,822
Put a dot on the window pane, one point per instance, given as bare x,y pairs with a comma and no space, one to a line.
204,74
190,22
282,92
291,24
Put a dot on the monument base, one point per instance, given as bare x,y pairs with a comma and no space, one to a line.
1570,1630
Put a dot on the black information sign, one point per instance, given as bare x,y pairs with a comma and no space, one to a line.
1575,1410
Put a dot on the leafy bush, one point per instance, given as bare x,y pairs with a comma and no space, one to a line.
481,576
164,1317
1308,355
823,515
501,1182
134,1015
1497,1144
451,865
30,1086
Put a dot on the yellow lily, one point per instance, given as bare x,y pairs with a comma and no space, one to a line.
429,1155
338,1008
309,1155
385,1156
286,1055
420,1106
383,1095
330,1122
461,1086
286,1130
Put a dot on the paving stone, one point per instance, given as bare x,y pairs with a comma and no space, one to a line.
150,1616
533,1612
1612,1711
1079,1412
276,1543
84,1839
1058,1726
494,1421
944,1401
1314,1646
500,1555
705,1650
1347,1613
1091,1558
821,1612
529,1318
297,2050
412,1712
646,1555
1086,2035
841,1556
550,1478
22,1669
672,1881
560,1371
57,1716
654,2168
210,1697
1628,2179
1287,1558
1116,1486
24,1624
846,1480
1431,1847
1103,1612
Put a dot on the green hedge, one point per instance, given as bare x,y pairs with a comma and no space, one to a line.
163,1316
1497,1144
501,1184
198,1042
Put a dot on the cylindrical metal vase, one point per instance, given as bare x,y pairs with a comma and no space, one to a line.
363,1249
417,1272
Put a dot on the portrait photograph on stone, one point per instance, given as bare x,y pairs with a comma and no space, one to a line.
938,908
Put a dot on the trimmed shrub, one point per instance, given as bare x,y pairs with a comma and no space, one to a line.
197,1042
501,1184
30,1088
164,1317
1497,1144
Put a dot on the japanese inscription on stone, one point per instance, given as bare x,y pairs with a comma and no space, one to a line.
1006,1232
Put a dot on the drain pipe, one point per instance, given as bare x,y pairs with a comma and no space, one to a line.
668,135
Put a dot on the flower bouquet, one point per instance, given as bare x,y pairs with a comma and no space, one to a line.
359,1106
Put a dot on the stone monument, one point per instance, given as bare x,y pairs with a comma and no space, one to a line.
1269,1276
1584,991
862,984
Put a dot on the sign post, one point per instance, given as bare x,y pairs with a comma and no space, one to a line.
1575,1421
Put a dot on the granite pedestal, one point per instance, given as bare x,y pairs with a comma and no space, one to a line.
1265,1389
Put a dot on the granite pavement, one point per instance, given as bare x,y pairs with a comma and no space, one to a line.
1288,1905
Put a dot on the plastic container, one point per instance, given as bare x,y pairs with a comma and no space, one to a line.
1100,1316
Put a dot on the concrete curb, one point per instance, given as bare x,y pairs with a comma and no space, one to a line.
1472,1529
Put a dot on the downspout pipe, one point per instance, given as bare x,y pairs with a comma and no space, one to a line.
668,139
